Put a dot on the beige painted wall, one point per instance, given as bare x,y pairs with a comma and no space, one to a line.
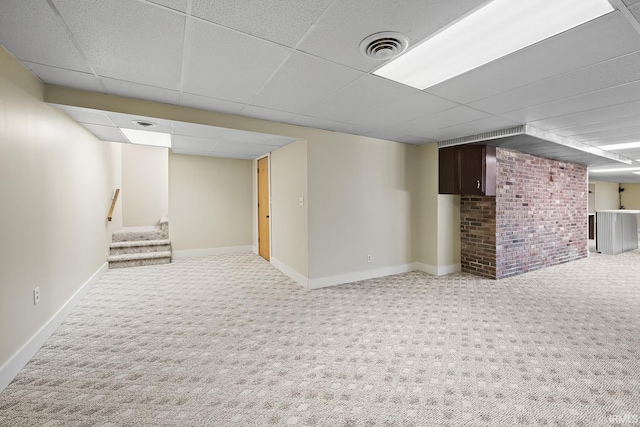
289,220
607,196
448,231
56,187
360,203
426,235
209,202
145,184
631,196
438,230
361,191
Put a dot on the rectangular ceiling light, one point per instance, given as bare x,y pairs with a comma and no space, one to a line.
496,29
615,170
144,137
620,146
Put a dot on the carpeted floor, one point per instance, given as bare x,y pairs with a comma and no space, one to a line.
229,340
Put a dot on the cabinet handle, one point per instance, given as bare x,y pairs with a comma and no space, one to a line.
478,184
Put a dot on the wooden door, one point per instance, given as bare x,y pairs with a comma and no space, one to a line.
263,208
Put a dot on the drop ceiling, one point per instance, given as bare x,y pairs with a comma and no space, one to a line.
298,62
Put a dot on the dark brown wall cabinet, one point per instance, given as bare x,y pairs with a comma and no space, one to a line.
467,170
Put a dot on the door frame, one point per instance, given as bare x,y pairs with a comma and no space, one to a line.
255,204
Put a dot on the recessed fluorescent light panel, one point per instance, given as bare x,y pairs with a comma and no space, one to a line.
615,170
144,137
620,146
497,29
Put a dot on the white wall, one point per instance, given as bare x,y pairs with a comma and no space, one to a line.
289,220
56,187
209,203
145,184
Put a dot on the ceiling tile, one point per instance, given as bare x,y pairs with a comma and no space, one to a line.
180,5
136,90
614,72
313,122
243,148
387,135
403,110
593,116
417,140
68,78
338,34
85,115
188,152
609,134
120,44
266,114
368,93
609,124
190,143
579,47
235,155
352,129
432,124
283,22
126,121
635,11
225,64
303,81
49,43
602,98
488,124
211,104
105,133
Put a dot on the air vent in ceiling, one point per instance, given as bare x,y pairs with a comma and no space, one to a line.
383,46
143,123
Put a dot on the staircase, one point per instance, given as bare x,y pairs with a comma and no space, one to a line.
136,246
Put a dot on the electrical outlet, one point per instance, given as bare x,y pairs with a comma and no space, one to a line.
36,295
369,258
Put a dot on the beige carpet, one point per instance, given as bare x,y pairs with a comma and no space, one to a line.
229,340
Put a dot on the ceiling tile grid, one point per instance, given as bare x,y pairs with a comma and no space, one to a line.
227,64
284,22
128,40
299,63
68,78
50,44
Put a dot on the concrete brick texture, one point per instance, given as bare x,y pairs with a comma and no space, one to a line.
537,219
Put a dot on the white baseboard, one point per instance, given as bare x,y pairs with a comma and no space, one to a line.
356,276
193,253
254,249
437,271
20,358
293,275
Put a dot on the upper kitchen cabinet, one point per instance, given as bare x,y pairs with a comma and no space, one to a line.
467,170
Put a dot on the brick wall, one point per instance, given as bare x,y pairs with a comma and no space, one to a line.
478,235
540,217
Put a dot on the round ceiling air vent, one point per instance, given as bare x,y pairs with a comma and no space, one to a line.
143,123
385,45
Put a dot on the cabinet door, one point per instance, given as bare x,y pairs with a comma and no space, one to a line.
447,171
471,169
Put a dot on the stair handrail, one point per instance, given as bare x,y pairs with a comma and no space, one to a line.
113,204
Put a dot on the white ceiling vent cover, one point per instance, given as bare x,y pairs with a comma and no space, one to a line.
385,45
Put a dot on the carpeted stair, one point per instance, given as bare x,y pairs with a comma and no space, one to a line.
136,246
